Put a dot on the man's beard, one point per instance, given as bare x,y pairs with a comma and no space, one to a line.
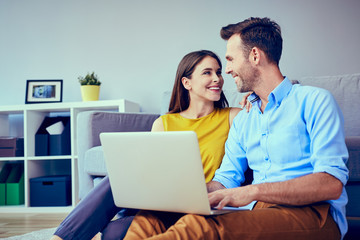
249,80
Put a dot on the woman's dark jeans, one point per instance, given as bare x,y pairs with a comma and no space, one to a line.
93,214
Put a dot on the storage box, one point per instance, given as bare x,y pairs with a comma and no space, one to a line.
11,147
4,174
59,144
50,191
15,186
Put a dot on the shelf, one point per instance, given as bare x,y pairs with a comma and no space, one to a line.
60,157
65,106
12,158
25,120
23,209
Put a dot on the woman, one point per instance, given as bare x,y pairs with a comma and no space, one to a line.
197,104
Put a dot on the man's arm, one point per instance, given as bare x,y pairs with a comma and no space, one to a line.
303,190
214,186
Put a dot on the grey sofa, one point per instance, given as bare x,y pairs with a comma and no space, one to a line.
90,124
345,89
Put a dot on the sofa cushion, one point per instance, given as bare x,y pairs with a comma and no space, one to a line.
95,162
119,122
346,91
353,145
234,97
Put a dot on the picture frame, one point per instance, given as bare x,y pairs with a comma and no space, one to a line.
44,91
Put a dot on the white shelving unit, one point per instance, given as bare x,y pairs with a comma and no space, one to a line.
28,119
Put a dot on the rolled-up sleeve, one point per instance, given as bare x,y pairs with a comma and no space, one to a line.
325,125
234,164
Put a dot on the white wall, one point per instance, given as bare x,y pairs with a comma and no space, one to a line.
135,46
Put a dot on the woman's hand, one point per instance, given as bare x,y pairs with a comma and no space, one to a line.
244,103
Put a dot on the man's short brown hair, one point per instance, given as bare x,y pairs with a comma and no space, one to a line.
262,33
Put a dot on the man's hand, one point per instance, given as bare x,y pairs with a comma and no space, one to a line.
234,197
308,189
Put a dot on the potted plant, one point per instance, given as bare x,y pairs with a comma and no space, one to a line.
90,87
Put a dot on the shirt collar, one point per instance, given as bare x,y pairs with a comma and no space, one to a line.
278,94
281,91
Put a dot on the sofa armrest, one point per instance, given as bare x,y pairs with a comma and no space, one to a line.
353,145
91,123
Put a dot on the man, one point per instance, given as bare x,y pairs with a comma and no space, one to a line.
292,139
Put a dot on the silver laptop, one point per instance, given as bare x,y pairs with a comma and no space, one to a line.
157,171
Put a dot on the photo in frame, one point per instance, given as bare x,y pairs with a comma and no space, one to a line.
43,91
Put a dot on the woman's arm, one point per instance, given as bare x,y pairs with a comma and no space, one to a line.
233,112
158,125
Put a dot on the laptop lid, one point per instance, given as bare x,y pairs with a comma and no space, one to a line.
156,171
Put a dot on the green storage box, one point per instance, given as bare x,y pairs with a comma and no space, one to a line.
4,174
15,186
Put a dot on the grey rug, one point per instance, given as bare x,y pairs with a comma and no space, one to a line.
44,234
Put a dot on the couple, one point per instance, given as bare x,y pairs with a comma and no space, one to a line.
292,139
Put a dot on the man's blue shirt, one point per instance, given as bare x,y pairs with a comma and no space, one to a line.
300,132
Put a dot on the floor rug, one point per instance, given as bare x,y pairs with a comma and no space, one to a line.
44,234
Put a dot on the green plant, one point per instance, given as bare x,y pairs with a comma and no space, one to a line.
89,79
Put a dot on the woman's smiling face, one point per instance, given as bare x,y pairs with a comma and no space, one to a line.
206,81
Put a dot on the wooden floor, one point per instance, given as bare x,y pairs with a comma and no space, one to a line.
12,224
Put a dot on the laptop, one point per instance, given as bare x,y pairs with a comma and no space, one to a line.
159,171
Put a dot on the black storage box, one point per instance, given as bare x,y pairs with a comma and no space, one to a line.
11,147
50,191
46,144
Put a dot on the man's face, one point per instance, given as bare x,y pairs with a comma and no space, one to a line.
246,76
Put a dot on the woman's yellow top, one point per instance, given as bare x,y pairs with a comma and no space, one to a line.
212,131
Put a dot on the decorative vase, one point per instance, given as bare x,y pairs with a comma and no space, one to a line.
90,92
